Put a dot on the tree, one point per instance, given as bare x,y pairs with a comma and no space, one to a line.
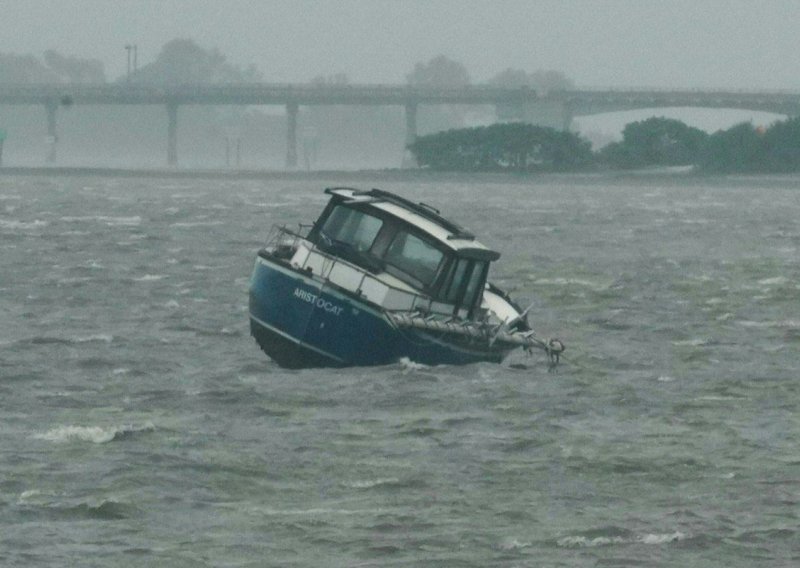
782,146
439,72
517,147
655,142
183,61
24,69
737,149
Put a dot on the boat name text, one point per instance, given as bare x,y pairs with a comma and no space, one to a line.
315,300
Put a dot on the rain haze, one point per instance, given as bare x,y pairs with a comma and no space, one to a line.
726,45
564,331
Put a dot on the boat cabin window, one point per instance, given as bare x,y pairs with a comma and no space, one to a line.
455,278
414,257
463,283
475,284
355,228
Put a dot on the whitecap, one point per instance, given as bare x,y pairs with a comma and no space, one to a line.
28,495
775,281
596,286
661,538
149,278
582,541
410,365
696,342
787,324
186,224
93,434
22,225
108,220
103,337
514,544
370,483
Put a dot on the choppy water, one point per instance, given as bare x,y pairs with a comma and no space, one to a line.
141,426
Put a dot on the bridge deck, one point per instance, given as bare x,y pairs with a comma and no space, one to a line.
578,101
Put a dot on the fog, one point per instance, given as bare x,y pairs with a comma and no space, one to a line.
683,44
730,44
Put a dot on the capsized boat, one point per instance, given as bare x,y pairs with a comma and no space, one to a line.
377,278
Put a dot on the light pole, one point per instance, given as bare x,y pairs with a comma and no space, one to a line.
128,48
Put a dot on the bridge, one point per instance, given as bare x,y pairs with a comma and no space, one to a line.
555,108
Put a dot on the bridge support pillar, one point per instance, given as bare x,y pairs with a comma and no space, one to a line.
172,134
52,133
411,136
291,135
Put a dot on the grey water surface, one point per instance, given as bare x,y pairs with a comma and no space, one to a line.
141,426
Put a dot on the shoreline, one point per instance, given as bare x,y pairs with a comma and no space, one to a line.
670,176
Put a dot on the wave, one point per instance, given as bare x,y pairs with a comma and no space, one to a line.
371,483
107,220
595,286
49,505
22,225
781,324
47,339
93,434
774,281
618,537
409,365
185,224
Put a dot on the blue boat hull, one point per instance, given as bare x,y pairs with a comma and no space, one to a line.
301,322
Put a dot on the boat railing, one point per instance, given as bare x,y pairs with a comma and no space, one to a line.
282,238
353,278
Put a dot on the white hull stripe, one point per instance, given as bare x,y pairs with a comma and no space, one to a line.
322,286
295,340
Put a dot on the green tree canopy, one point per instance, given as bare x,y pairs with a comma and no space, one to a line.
515,147
737,149
781,143
655,142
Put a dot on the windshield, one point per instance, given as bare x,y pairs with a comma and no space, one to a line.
352,227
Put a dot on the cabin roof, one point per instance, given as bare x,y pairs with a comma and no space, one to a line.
422,216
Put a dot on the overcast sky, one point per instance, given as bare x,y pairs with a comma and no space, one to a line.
732,44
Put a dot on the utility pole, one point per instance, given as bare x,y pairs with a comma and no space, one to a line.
128,48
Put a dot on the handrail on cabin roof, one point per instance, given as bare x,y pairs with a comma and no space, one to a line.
421,209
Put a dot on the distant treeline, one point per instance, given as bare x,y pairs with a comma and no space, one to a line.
655,142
